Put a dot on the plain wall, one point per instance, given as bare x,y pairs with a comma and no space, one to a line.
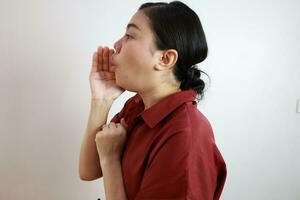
45,57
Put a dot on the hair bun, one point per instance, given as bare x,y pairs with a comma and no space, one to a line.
192,80
193,72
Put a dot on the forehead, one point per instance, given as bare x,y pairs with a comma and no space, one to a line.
140,22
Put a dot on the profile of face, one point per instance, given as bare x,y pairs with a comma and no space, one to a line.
138,64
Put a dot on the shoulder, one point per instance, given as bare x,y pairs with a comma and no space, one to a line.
192,123
188,117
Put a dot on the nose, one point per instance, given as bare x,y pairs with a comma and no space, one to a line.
118,46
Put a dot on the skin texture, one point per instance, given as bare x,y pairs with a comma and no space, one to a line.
136,66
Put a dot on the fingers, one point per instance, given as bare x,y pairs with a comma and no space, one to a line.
111,52
110,125
115,125
100,59
124,123
105,58
95,62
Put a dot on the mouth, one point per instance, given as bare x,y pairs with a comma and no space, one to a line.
113,66
112,61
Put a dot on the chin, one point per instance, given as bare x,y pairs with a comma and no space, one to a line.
120,83
125,85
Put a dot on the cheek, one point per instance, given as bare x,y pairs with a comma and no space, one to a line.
139,60
134,78
136,67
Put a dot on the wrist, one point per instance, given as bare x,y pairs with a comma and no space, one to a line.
102,99
100,103
108,161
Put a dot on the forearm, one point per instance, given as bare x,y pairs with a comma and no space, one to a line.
113,180
98,113
89,168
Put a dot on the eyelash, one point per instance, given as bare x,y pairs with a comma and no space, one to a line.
128,36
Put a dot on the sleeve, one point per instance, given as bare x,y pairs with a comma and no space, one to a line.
166,174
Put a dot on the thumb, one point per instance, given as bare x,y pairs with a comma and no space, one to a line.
124,123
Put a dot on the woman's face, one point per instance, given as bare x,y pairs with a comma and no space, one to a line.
136,56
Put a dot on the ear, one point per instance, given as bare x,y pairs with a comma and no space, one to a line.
167,59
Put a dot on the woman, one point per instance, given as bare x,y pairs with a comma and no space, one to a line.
159,146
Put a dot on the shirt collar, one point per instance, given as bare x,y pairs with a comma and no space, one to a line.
161,109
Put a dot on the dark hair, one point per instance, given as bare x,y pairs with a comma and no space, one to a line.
176,26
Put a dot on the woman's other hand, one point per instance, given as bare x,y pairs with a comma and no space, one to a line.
110,141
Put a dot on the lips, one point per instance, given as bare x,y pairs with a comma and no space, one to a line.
113,63
113,66
112,60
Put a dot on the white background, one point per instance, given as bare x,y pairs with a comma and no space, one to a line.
45,56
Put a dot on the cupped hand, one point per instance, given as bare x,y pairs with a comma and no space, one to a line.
102,76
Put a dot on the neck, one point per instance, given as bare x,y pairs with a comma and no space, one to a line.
154,95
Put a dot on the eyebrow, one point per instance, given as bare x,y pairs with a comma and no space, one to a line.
133,26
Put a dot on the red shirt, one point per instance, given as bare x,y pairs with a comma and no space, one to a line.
170,152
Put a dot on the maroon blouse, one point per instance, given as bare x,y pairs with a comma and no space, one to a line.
170,152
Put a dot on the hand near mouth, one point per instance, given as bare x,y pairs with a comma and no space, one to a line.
102,76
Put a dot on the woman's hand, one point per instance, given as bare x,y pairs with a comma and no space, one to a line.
110,141
102,76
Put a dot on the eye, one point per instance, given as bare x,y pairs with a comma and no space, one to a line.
128,36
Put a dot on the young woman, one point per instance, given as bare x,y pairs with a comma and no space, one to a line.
159,146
